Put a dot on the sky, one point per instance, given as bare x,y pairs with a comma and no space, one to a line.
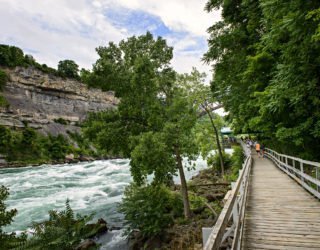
54,30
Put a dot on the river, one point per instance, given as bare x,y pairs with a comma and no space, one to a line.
91,187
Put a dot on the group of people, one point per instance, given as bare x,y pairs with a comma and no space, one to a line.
255,145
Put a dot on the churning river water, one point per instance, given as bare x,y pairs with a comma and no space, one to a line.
91,187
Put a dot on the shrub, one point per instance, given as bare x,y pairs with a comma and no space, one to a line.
237,159
3,79
214,161
62,231
196,201
29,146
150,209
61,121
3,102
8,241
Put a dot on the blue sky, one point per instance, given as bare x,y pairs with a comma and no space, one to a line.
53,30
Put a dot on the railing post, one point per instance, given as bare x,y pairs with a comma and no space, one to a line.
286,160
317,177
301,170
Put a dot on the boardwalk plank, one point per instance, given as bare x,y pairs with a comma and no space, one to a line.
280,214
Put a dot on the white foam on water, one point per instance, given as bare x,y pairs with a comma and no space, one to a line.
91,187
36,190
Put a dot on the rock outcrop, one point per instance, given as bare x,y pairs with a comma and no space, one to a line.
49,103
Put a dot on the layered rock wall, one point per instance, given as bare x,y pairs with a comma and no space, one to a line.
40,100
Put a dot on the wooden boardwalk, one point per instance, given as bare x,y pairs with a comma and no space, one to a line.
280,214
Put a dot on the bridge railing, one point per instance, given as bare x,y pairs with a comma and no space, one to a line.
227,232
306,173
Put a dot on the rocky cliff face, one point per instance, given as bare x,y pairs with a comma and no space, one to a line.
44,101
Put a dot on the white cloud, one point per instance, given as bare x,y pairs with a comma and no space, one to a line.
179,15
53,30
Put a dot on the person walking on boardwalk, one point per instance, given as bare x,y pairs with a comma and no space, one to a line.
258,148
262,150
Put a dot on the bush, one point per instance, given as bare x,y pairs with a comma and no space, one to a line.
196,201
61,121
214,161
63,231
29,146
3,79
151,208
3,102
237,159
8,241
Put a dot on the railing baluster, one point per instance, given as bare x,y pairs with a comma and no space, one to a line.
317,177
301,170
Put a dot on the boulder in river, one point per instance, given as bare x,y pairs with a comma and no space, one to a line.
69,157
86,244
85,158
98,228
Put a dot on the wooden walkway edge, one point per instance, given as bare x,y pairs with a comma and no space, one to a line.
280,214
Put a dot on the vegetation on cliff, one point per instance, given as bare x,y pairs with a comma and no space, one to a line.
27,146
266,58
12,56
3,81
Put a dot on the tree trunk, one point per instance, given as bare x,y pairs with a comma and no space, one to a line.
184,188
218,141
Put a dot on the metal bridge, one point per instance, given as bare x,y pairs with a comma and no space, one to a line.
273,205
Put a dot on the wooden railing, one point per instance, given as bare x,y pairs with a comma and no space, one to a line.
306,173
227,232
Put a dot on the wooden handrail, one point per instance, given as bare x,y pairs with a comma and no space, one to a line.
233,211
310,183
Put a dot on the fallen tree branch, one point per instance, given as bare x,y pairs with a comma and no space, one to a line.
211,209
210,184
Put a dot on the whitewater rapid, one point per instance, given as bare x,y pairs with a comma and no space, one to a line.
96,187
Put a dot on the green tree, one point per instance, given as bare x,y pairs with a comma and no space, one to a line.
150,208
265,56
200,95
116,65
11,56
152,108
68,68
58,147
8,241
161,153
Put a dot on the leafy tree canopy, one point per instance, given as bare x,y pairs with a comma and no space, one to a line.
266,58
153,116
68,68
150,208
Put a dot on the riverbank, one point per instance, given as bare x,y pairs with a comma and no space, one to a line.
206,190
20,164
